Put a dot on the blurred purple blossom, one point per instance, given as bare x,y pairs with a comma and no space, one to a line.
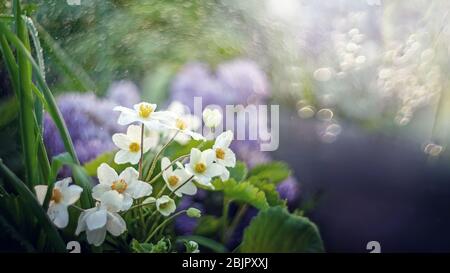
234,82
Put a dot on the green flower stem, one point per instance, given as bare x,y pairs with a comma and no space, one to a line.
171,164
236,220
225,209
152,168
141,160
165,222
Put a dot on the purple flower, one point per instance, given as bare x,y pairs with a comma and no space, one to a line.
124,93
234,82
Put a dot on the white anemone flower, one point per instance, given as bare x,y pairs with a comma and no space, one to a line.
224,155
130,145
127,185
202,165
184,123
63,196
165,205
175,178
145,113
102,218
212,117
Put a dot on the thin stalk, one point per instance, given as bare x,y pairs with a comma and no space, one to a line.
225,209
236,220
171,164
152,168
142,152
179,187
163,224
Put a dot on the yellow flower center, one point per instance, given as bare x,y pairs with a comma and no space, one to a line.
180,124
220,154
134,147
173,180
145,110
56,196
120,186
200,168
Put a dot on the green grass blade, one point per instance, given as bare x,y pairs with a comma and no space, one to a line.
52,233
26,100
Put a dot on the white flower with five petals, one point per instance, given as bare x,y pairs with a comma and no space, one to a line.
184,123
145,113
202,166
127,185
63,196
102,218
224,155
130,145
175,178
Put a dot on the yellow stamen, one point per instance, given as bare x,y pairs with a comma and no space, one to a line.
180,124
145,110
56,196
120,186
135,147
173,180
220,154
200,168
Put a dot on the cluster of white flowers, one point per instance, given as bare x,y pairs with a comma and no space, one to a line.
116,193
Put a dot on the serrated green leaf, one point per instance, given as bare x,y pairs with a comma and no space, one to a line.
242,191
162,246
270,190
239,172
277,231
273,172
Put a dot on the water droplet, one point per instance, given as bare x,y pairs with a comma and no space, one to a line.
325,114
306,112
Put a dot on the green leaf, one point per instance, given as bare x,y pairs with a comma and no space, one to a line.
108,158
273,172
277,231
208,225
243,191
8,111
162,246
270,190
239,172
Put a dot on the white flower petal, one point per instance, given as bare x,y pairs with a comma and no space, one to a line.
100,189
188,189
63,183
127,202
223,140
112,201
195,156
41,191
96,237
134,133
139,189
115,224
123,157
225,174
106,175
127,115
59,215
208,156
213,170
122,141
129,175
230,159
96,220
72,194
